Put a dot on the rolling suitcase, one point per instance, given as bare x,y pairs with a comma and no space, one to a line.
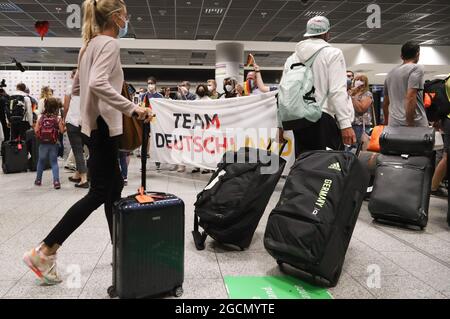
407,140
14,157
232,204
312,224
369,161
401,191
148,242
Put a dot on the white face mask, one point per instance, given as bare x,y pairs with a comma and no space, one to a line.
358,83
151,87
210,88
228,88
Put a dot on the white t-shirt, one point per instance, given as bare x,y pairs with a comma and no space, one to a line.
74,114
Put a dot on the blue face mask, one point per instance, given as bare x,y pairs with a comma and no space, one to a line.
123,31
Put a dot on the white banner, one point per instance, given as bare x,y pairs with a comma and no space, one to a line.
198,133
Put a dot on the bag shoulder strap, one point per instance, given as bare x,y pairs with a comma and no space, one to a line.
311,60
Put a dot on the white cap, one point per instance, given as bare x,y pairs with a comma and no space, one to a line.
317,26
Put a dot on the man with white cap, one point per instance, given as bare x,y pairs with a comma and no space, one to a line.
334,128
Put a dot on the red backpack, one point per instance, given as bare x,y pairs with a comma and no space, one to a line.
49,129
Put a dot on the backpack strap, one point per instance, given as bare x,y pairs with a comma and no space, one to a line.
309,64
311,60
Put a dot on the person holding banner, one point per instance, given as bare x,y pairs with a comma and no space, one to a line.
259,83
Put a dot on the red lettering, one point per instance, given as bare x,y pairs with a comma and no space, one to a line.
198,144
221,147
205,144
188,140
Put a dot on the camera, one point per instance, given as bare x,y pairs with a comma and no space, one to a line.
3,83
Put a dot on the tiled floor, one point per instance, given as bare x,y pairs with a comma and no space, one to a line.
410,263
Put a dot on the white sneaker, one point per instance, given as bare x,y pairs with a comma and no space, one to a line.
43,266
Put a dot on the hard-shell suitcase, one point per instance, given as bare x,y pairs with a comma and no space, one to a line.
14,157
148,242
312,224
401,191
407,140
232,204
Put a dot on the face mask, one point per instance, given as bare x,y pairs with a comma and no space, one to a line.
210,88
123,31
252,84
228,88
151,87
201,93
358,83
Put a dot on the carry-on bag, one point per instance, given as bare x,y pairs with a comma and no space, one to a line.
232,204
14,157
407,140
312,224
401,191
148,242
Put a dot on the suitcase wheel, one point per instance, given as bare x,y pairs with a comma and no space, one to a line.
178,292
279,262
112,293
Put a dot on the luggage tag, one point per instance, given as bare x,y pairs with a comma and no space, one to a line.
142,198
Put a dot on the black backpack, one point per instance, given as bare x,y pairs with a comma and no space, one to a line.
17,109
436,101
231,206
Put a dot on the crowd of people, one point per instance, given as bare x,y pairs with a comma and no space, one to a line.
94,107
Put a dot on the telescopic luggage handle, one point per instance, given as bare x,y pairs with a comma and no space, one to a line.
142,197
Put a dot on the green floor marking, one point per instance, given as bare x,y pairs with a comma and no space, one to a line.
272,287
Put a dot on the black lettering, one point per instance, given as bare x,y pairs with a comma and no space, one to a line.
159,140
186,121
177,119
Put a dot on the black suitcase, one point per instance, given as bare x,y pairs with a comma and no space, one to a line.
402,189
148,243
14,157
312,224
369,161
407,140
232,204
33,147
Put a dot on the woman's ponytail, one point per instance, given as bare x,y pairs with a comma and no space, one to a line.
89,21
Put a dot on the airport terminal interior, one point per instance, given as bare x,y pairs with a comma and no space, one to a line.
199,65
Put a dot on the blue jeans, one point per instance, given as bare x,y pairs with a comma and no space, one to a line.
123,161
48,152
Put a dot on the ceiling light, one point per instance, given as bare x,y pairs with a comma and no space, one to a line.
263,14
214,11
9,7
381,74
188,3
314,13
139,19
162,12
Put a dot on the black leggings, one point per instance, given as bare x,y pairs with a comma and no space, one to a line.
106,185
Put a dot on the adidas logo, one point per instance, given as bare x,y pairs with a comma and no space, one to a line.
335,166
